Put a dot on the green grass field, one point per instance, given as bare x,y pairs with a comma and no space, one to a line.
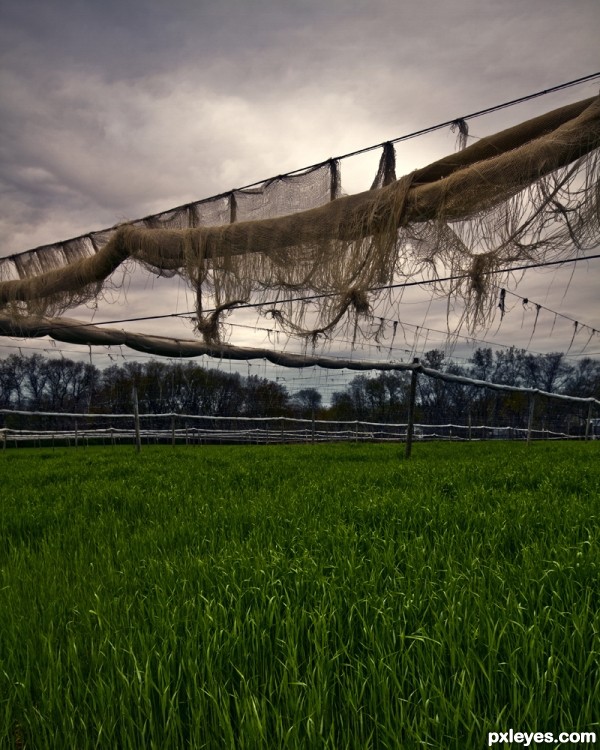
298,596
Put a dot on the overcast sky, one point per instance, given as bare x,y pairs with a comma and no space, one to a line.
115,110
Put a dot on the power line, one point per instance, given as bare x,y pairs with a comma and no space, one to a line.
399,139
308,298
408,136
389,347
480,113
414,134
528,301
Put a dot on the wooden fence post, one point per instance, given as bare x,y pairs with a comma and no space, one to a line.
411,408
530,420
173,430
136,418
588,421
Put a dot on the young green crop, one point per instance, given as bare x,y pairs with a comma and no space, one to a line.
298,596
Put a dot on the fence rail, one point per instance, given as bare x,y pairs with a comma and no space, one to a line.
198,429
566,417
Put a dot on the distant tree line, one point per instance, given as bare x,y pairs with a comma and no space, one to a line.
384,397
38,383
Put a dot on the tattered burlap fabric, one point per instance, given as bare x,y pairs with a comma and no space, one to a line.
73,332
528,194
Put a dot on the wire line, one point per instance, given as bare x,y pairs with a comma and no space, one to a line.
407,136
402,285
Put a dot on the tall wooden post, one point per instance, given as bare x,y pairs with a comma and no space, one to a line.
136,418
411,408
588,421
173,430
530,420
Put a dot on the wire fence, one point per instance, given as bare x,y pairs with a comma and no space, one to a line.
487,411
82,430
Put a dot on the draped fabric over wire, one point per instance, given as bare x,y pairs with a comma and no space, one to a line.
527,194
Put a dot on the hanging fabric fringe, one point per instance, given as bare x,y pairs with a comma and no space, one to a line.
386,172
526,194
461,127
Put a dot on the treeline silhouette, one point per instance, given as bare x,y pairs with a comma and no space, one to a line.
38,383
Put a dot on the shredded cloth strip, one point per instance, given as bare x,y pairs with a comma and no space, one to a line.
527,194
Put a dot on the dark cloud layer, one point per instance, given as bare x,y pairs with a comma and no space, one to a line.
114,110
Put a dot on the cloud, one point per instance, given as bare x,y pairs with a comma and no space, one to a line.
135,107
